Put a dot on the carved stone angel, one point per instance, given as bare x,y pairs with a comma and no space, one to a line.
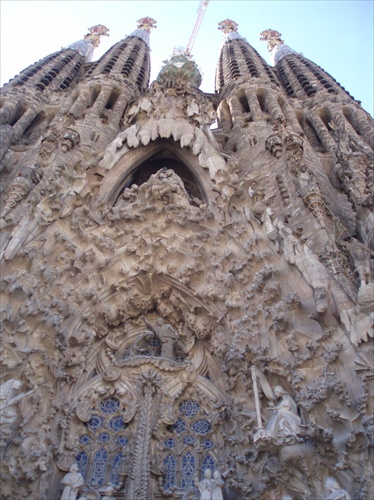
284,425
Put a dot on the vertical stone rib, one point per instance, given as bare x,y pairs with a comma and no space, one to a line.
275,110
236,110
322,132
23,123
7,111
254,105
101,101
139,486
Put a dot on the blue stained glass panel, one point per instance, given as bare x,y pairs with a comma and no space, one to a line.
201,427
189,408
104,437
122,440
116,469
117,424
82,462
207,463
99,467
170,469
188,440
85,439
179,426
95,422
208,445
170,443
188,470
109,405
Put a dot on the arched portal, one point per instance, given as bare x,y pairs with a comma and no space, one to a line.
139,164
164,160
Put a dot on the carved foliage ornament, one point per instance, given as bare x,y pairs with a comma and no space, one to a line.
228,26
273,38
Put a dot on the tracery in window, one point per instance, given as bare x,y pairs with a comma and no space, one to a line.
188,447
104,444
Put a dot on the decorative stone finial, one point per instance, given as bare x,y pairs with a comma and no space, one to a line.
146,23
272,37
228,26
95,32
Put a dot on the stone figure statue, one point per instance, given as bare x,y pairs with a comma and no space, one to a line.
218,484
361,256
72,481
335,492
168,335
284,424
206,486
166,186
8,399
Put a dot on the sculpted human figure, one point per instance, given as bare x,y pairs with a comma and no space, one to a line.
165,185
284,425
361,256
8,399
72,481
335,492
218,484
205,486
168,336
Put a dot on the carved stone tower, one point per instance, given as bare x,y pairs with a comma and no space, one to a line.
187,310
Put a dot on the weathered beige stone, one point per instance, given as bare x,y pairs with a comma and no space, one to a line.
178,299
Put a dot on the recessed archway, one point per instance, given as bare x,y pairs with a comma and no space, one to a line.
138,164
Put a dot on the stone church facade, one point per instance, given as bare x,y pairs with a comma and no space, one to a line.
186,308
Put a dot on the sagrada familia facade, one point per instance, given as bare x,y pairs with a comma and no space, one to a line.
186,278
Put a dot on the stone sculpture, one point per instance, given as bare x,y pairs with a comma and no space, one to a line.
8,400
218,484
72,481
334,491
284,426
206,485
159,260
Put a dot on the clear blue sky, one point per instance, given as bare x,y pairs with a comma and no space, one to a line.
337,35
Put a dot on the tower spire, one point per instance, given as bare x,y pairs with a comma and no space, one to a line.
90,41
145,24
229,30
275,44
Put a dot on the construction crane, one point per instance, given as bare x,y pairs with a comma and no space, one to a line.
200,14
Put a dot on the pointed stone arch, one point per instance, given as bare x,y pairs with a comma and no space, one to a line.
123,173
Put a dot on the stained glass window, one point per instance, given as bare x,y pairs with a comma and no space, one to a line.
95,422
188,470
188,440
103,437
109,405
99,466
208,444
85,439
179,426
189,408
116,469
82,461
101,458
186,449
207,463
170,470
201,426
117,424
122,440
170,443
